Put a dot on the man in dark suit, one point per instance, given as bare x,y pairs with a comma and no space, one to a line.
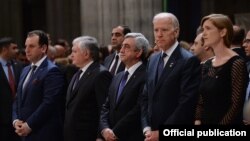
86,92
120,115
171,89
113,62
246,45
37,108
237,42
9,73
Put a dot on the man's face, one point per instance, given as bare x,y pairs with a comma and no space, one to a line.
197,48
79,57
165,33
12,51
129,53
34,51
246,44
117,38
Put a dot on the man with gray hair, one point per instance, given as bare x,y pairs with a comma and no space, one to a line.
172,81
120,115
86,92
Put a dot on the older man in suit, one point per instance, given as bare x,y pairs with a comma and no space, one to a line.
9,73
86,92
113,62
171,89
37,108
120,115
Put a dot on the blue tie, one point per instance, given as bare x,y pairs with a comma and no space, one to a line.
160,65
122,85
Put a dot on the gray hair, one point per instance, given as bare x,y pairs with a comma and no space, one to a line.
78,39
90,43
175,21
141,43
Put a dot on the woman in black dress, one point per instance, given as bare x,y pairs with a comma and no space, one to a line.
224,77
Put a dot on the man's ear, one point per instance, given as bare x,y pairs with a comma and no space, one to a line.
44,48
139,54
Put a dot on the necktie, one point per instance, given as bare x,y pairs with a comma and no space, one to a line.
33,68
160,65
11,80
122,85
115,65
77,78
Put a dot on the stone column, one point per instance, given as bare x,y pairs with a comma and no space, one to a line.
98,17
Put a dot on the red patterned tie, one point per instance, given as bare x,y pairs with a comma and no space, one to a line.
11,80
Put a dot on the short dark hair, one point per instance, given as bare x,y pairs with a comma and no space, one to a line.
43,37
238,35
126,29
5,41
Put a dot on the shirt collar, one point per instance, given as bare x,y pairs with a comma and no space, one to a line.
3,62
86,66
171,49
38,63
132,69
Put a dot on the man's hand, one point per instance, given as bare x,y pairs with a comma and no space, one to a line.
17,125
197,122
109,135
22,128
246,122
152,135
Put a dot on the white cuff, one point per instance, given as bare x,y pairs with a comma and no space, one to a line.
146,129
13,123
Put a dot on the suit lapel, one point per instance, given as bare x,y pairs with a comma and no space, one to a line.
121,67
72,93
111,60
34,78
22,79
129,84
168,67
69,90
117,84
81,81
16,72
3,74
153,73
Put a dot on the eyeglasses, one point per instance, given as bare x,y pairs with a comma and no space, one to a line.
247,41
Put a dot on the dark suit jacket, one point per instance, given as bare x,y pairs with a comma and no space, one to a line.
6,101
123,117
83,104
172,100
108,61
40,104
241,52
